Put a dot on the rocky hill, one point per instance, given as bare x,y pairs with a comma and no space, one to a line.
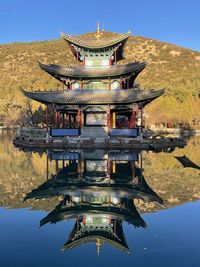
173,67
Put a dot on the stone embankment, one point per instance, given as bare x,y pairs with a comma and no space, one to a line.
39,138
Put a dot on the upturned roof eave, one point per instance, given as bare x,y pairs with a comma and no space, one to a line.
75,243
70,99
74,72
128,215
92,43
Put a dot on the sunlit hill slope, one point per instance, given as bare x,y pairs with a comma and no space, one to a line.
169,66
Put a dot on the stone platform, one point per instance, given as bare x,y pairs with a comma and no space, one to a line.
42,140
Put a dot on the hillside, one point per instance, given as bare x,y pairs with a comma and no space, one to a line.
175,68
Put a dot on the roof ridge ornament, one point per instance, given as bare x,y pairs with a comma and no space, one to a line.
98,32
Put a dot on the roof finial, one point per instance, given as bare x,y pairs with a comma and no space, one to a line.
98,244
98,32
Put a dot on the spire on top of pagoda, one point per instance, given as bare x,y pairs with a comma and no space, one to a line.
98,32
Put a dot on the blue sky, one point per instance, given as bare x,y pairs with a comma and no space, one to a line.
173,21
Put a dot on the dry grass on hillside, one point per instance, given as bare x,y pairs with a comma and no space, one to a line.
175,68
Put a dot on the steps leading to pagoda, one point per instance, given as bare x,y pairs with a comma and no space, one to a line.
94,132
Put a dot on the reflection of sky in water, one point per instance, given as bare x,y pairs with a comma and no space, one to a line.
171,238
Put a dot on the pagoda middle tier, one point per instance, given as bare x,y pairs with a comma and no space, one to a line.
113,77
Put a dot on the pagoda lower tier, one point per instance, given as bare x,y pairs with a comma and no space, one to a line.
95,113
95,97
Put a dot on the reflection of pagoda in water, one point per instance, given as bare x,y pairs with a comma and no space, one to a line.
98,192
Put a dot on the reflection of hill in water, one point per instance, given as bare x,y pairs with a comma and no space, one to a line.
175,184
21,172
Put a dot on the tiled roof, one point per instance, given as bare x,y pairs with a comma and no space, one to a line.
82,72
92,237
94,43
94,96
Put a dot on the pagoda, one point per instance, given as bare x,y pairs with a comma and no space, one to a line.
97,193
99,97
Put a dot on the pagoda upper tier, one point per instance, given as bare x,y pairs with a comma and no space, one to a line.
96,43
98,54
99,43
109,233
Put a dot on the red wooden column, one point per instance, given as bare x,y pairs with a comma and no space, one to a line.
77,56
133,116
70,121
70,86
115,57
63,120
56,119
79,119
47,118
132,119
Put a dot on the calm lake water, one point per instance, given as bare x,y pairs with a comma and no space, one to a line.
99,208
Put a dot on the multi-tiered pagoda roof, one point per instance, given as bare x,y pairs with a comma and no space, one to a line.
99,79
99,195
